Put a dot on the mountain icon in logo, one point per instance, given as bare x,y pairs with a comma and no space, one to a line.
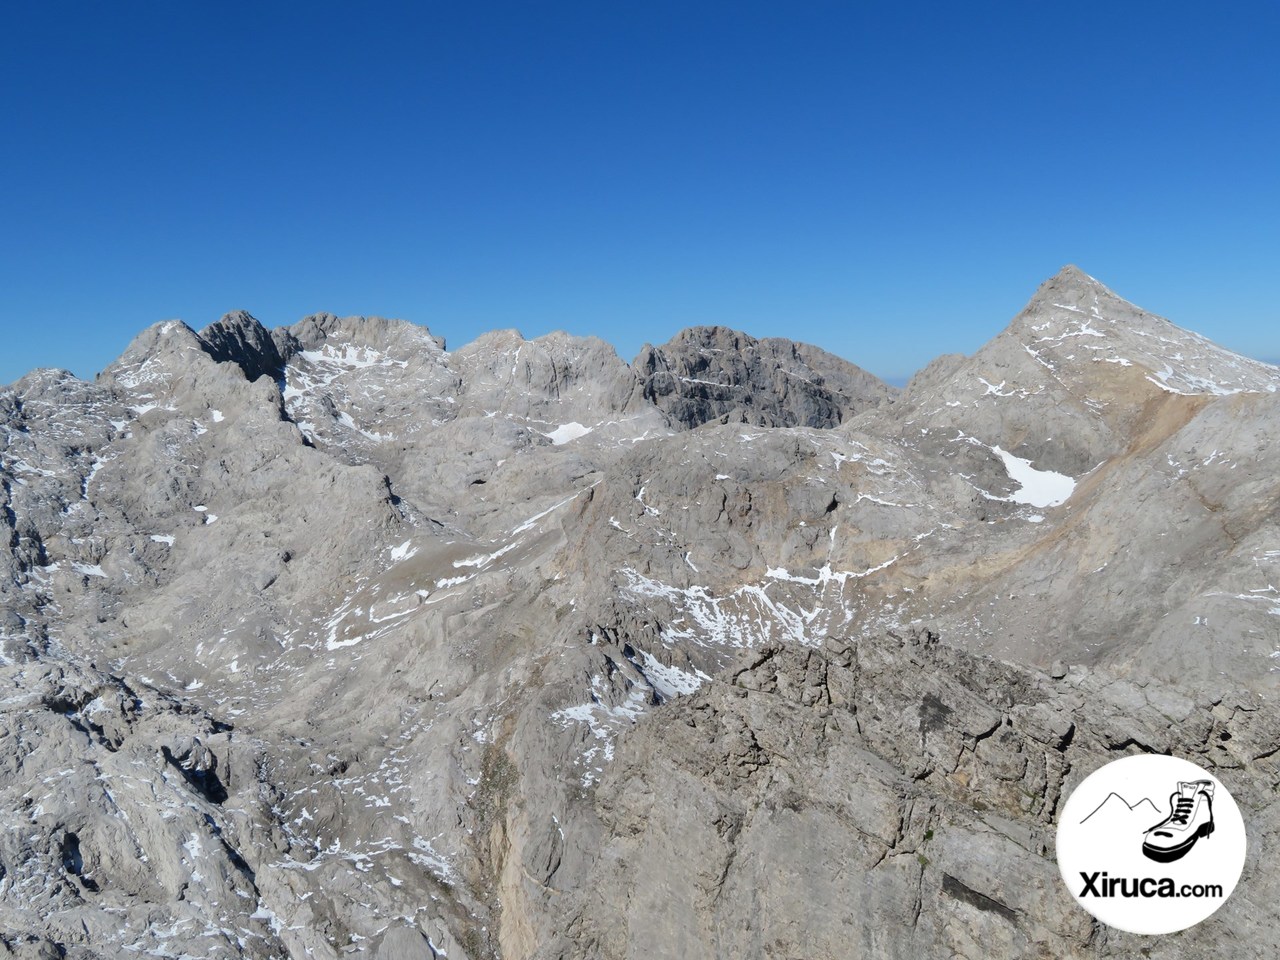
1117,808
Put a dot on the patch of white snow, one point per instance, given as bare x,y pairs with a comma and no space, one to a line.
566,432
1038,488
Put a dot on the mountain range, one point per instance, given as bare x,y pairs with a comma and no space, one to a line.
327,641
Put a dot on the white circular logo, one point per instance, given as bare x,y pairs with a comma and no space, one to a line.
1151,844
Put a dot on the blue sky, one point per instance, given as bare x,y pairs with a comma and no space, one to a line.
890,182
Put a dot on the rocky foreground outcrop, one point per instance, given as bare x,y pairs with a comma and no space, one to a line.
895,797
330,642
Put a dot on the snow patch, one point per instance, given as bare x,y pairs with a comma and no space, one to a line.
350,357
668,681
346,420
532,521
487,559
1038,488
145,408
827,575
995,388
566,432
747,617
453,581
605,723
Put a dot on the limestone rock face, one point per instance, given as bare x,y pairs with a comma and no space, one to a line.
240,339
892,797
330,642
705,373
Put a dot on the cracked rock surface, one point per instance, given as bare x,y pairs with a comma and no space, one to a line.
892,797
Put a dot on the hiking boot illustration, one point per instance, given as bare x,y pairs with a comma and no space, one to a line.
1191,818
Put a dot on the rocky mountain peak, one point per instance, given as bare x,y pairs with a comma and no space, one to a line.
1072,291
1076,328
1071,279
1076,351
240,339
508,338
379,334
164,337
241,319
165,346
43,382
705,373
714,337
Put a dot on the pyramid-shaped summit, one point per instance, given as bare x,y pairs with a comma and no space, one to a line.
1077,328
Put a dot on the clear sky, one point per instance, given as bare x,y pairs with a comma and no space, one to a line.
888,181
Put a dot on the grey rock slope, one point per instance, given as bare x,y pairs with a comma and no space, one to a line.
328,641
892,797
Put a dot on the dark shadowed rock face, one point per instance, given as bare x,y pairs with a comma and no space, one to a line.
705,373
240,339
